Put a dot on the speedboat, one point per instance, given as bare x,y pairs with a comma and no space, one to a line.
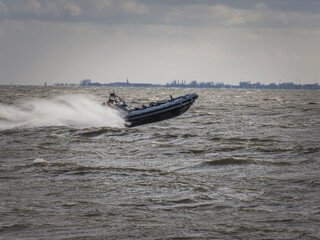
154,112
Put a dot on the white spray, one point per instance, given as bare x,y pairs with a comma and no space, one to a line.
70,110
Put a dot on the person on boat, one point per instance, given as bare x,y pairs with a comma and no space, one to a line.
116,102
110,103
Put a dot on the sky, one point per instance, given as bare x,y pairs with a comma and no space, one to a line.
158,41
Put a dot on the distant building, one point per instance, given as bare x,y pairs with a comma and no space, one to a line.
86,82
245,84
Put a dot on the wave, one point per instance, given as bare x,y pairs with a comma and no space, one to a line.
66,110
230,161
78,169
93,132
241,161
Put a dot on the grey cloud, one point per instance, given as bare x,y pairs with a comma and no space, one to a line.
308,6
248,13
71,10
258,15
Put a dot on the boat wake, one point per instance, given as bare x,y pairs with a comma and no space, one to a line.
68,110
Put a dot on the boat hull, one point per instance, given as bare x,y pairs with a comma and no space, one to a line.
164,111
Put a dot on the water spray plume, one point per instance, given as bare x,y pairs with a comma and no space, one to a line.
70,110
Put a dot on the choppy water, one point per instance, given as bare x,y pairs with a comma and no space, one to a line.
240,164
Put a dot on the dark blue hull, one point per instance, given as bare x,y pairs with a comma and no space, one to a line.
160,111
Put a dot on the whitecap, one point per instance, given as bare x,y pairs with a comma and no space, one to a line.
40,161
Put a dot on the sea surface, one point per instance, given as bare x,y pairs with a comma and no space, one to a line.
239,164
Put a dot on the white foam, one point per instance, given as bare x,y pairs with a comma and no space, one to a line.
69,110
40,161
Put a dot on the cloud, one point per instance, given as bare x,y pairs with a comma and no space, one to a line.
34,7
74,9
266,14
131,6
106,11
233,16
3,8
111,40
39,9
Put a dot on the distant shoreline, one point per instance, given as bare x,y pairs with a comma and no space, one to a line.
195,84
183,84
